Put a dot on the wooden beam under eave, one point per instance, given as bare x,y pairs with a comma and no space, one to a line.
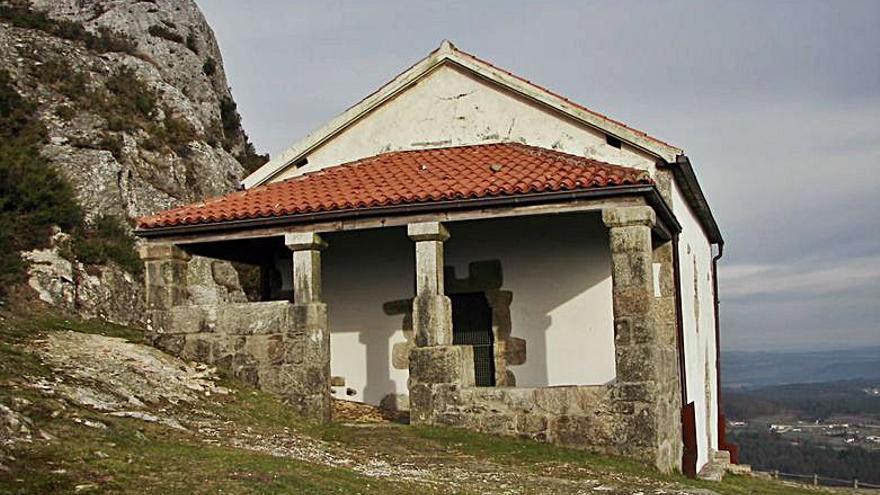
380,221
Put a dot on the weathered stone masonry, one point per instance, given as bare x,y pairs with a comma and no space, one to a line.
282,348
636,416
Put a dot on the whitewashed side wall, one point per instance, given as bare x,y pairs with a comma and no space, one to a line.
450,107
558,269
698,315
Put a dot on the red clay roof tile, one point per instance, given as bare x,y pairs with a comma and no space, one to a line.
408,177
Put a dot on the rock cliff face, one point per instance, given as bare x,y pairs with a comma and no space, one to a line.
138,124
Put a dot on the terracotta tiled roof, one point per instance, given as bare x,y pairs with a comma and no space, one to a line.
409,177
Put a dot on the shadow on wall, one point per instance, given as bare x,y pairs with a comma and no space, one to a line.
547,279
361,271
558,271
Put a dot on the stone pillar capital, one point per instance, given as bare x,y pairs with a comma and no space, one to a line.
427,231
304,241
629,216
164,275
162,252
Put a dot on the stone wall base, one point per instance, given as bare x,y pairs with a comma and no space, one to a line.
276,346
605,419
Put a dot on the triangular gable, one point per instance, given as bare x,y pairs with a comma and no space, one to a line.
447,53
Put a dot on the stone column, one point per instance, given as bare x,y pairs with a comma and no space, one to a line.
308,363
436,367
642,386
432,310
164,275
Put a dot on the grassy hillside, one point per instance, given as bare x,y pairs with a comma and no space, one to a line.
244,441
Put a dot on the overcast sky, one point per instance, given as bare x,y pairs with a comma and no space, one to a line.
776,103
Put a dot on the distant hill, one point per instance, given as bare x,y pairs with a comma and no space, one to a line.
742,369
808,401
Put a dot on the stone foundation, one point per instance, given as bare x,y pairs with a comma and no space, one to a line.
606,419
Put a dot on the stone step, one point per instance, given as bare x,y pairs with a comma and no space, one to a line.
712,472
719,463
740,469
721,457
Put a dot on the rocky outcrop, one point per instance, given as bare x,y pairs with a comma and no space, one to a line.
97,291
135,128
122,378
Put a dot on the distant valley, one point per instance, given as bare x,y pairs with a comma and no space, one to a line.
828,428
746,369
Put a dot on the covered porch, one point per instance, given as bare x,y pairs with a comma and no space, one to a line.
548,315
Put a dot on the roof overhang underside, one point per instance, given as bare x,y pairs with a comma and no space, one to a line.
587,200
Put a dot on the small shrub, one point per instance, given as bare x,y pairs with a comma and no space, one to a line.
209,67
230,121
51,72
106,239
17,115
250,159
106,142
60,76
127,87
65,112
164,33
113,144
176,133
108,40
33,196
128,104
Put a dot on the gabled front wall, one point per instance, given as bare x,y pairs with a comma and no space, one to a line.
452,107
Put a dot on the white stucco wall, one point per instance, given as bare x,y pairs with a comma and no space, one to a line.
362,271
559,271
698,315
450,107
557,267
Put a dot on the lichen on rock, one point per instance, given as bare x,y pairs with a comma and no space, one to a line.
135,126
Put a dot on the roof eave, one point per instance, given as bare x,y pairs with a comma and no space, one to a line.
666,227
684,174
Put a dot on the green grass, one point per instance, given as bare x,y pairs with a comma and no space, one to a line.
538,456
134,457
